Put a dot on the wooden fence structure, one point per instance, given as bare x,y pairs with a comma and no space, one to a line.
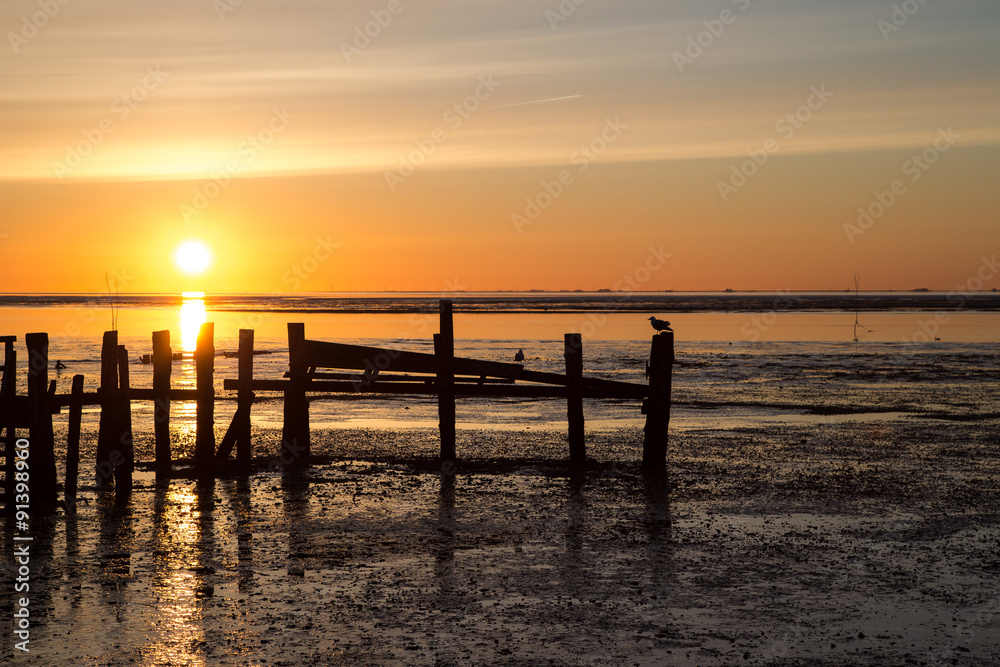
315,367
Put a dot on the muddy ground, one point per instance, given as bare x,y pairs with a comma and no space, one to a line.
870,543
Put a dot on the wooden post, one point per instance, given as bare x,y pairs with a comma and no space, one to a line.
661,363
125,462
162,357
8,390
109,431
444,354
204,360
573,351
42,447
295,433
244,397
73,440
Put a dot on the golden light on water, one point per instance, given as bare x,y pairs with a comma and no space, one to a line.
192,317
178,621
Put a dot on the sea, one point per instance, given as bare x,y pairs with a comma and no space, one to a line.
742,358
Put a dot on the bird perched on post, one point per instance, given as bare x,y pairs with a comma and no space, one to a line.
659,325
519,356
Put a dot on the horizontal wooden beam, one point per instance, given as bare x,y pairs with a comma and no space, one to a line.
513,391
388,377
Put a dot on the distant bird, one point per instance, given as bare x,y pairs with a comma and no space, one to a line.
519,356
659,325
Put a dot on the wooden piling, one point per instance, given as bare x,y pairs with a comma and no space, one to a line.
661,362
204,360
444,355
73,439
573,351
125,462
108,432
244,397
42,444
162,357
8,388
295,432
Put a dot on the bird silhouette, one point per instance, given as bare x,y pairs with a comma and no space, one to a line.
519,356
659,325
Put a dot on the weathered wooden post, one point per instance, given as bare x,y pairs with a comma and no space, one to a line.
8,390
244,397
661,363
42,442
125,462
73,440
109,432
573,351
238,433
295,432
204,365
162,366
444,354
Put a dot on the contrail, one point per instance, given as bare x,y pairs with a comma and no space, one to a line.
551,99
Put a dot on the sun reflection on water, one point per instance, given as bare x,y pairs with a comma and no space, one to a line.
192,317
178,586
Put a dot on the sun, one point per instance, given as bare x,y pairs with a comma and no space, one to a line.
192,257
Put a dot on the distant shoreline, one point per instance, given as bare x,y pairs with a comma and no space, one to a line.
536,302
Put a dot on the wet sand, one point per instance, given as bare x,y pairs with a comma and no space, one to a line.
836,543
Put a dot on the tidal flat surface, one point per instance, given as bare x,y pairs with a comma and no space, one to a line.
821,544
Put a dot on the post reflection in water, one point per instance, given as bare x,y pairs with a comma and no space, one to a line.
178,582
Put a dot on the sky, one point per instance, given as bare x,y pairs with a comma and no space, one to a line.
481,145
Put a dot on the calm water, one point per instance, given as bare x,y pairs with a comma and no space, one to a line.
734,367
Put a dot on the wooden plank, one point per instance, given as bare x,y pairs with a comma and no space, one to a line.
295,430
73,440
42,441
126,461
204,360
232,434
162,366
510,391
108,430
444,352
573,352
661,362
324,354
245,398
390,377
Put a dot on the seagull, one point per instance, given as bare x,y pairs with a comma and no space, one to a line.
519,356
659,325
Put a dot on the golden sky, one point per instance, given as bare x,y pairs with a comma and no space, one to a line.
408,144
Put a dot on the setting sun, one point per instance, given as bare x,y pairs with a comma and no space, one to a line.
192,257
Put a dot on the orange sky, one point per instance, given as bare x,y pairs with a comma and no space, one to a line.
266,133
